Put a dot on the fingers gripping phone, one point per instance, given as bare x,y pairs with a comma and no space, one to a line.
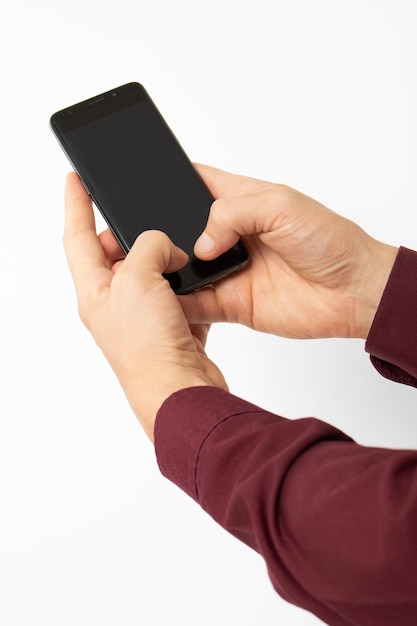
140,178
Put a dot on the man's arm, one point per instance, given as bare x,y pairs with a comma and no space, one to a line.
334,521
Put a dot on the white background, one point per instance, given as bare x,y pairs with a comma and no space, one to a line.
320,95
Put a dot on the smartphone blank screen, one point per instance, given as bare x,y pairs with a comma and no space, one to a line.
140,177
132,162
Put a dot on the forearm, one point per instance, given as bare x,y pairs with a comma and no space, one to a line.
330,518
334,521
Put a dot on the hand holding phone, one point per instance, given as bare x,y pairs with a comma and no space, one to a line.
313,273
133,314
140,178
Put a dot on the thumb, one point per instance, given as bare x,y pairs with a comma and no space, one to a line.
234,217
154,252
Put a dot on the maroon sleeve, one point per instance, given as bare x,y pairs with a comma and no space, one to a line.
336,522
392,340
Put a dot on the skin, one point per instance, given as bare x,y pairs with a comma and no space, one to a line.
132,312
312,273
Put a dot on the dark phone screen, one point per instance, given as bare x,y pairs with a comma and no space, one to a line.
140,177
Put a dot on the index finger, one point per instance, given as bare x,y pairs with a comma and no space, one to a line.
84,252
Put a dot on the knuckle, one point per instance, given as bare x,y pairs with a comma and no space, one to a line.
281,200
284,193
218,211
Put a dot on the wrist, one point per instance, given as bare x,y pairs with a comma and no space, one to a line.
375,277
146,399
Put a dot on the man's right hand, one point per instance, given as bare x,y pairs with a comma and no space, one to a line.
312,273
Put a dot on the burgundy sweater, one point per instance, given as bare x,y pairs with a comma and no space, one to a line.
336,522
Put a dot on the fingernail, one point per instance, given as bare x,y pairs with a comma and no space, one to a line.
204,244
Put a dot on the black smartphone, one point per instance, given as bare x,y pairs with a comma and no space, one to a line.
140,178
